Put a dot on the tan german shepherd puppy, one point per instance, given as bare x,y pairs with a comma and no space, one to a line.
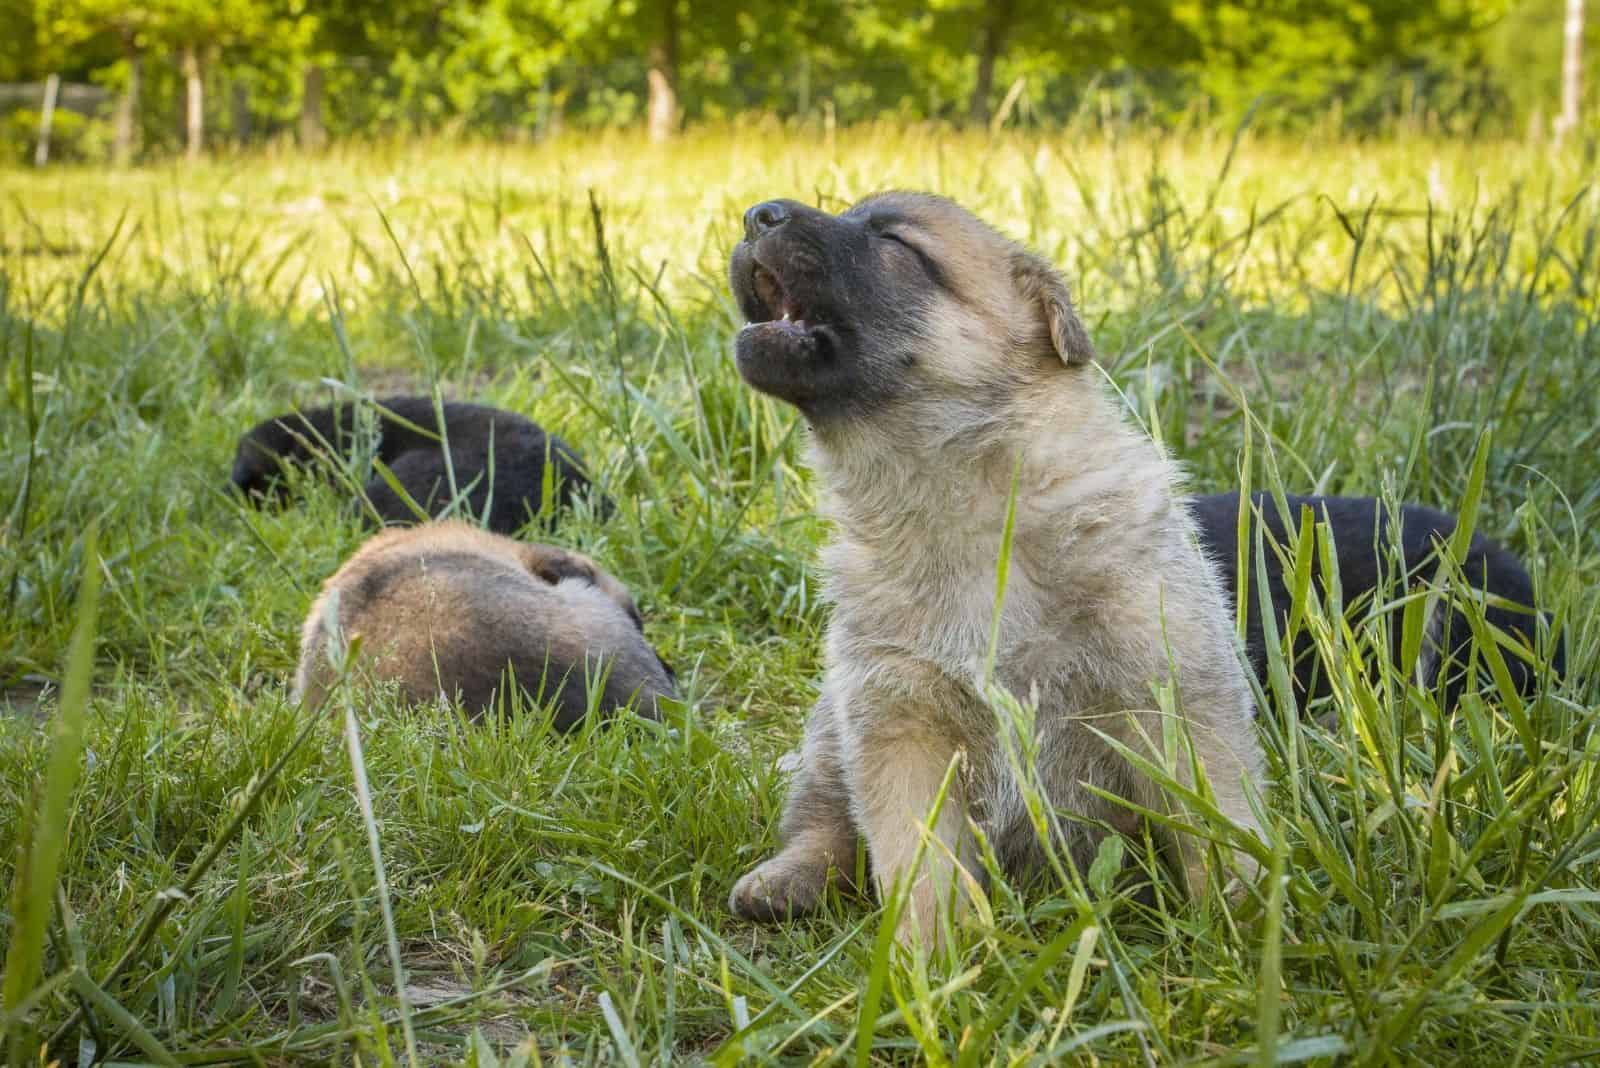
448,609
933,356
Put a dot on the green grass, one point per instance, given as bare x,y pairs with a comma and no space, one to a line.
1320,316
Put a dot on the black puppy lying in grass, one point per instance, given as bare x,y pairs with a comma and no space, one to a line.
501,461
1366,562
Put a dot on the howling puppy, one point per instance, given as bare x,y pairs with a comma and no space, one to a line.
934,360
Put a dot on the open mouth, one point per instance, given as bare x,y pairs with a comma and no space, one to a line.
779,304
784,350
784,313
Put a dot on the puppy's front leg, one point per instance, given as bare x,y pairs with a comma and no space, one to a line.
1233,765
897,770
818,835
1225,746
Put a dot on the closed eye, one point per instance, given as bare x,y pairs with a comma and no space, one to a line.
932,268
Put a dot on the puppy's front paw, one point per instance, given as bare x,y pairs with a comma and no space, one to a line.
782,888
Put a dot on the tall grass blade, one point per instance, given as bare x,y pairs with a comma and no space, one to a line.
122,1020
44,839
369,823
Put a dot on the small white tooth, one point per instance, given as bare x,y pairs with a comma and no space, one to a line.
785,316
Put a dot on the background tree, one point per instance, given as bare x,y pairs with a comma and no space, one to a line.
1299,56
656,31
663,70
521,67
197,32
20,39
959,52
1571,69
90,26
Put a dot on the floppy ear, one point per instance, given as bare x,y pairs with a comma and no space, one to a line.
1042,285
550,564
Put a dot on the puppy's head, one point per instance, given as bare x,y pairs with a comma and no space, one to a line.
904,295
554,565
263,452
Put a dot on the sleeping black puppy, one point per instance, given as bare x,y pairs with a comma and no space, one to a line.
1362,539
519,448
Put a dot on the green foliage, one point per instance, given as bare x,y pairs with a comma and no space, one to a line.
1528,40
528,67
19,58
1384,54
73,137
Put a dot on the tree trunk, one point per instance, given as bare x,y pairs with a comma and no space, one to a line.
663,76
313,133
125,134
991,46
193,102
243,120
1571,70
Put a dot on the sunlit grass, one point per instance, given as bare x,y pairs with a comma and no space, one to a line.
1374,307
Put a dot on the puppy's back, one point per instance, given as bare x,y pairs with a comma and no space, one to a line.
448,609
483,442
1362,531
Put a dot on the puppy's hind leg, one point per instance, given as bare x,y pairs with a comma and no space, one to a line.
819,837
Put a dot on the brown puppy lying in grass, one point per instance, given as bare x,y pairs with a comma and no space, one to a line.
446,609
939,364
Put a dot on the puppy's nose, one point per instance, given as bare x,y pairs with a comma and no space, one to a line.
763,217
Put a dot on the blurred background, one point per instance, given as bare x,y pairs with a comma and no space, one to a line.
113,81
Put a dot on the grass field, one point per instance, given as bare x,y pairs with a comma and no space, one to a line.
1323,316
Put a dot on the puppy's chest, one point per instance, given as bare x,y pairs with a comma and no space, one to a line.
942,611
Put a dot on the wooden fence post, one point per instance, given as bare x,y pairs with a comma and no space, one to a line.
47,115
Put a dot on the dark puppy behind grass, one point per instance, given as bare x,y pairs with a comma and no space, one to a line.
1364,540
409,442
448,610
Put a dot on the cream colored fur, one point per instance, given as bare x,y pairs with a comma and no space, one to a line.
1107,589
